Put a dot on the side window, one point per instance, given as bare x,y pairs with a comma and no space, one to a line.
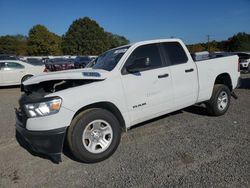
13,66
145,58
1,65
175,53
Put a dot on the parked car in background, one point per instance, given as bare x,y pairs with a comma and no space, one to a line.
35,61
71,59
245,65
8,57
14,72
244,61
199,56
25,58
82,61
59,64
219,54
45,59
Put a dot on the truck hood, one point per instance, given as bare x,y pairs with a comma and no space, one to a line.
77,74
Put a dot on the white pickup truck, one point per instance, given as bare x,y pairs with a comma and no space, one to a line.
89,108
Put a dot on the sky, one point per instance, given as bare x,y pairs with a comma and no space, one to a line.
189,20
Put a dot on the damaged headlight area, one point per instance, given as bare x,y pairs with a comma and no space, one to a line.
47,106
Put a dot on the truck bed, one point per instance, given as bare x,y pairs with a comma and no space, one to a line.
208,71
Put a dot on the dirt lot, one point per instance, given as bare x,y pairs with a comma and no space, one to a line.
185,149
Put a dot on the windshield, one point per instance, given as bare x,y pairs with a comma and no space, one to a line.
109,59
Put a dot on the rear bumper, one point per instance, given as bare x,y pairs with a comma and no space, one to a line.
48,142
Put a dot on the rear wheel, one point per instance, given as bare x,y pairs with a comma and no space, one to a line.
220,100
94,135
26,77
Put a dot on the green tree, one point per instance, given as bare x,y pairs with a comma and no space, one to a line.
85,37
13,45
43,42
116,40
196,47
213,46
223,45
239,42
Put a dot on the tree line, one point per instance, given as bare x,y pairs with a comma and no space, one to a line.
84,37
236,43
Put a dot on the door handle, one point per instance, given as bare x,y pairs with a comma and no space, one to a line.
162,76
189,70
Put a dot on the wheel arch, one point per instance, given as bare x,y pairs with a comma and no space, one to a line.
25,76
225,79
107,106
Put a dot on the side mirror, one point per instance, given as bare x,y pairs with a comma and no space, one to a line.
138,65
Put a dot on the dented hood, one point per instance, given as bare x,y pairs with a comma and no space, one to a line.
76,74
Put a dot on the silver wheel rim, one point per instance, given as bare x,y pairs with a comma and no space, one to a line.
222,101
97,136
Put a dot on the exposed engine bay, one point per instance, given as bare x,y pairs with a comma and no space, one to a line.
38,91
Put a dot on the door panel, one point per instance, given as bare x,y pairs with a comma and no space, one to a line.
185,84
13,73
148,92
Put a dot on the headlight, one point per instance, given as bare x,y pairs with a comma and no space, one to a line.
47,107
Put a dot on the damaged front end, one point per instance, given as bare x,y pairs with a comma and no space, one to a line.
34,105
39,86
41,89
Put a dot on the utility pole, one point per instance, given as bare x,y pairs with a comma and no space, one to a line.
208,40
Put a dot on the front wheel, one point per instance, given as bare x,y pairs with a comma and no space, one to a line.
220,100
94,135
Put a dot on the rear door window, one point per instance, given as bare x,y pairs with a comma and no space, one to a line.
2,65
175,53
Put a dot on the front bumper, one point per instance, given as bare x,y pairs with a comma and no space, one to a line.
48,142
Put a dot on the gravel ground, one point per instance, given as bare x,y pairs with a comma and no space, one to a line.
184,149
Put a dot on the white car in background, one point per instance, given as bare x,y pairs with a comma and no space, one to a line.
13,72
244,58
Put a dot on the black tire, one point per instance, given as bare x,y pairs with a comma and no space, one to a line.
76,130
213,106
26,77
